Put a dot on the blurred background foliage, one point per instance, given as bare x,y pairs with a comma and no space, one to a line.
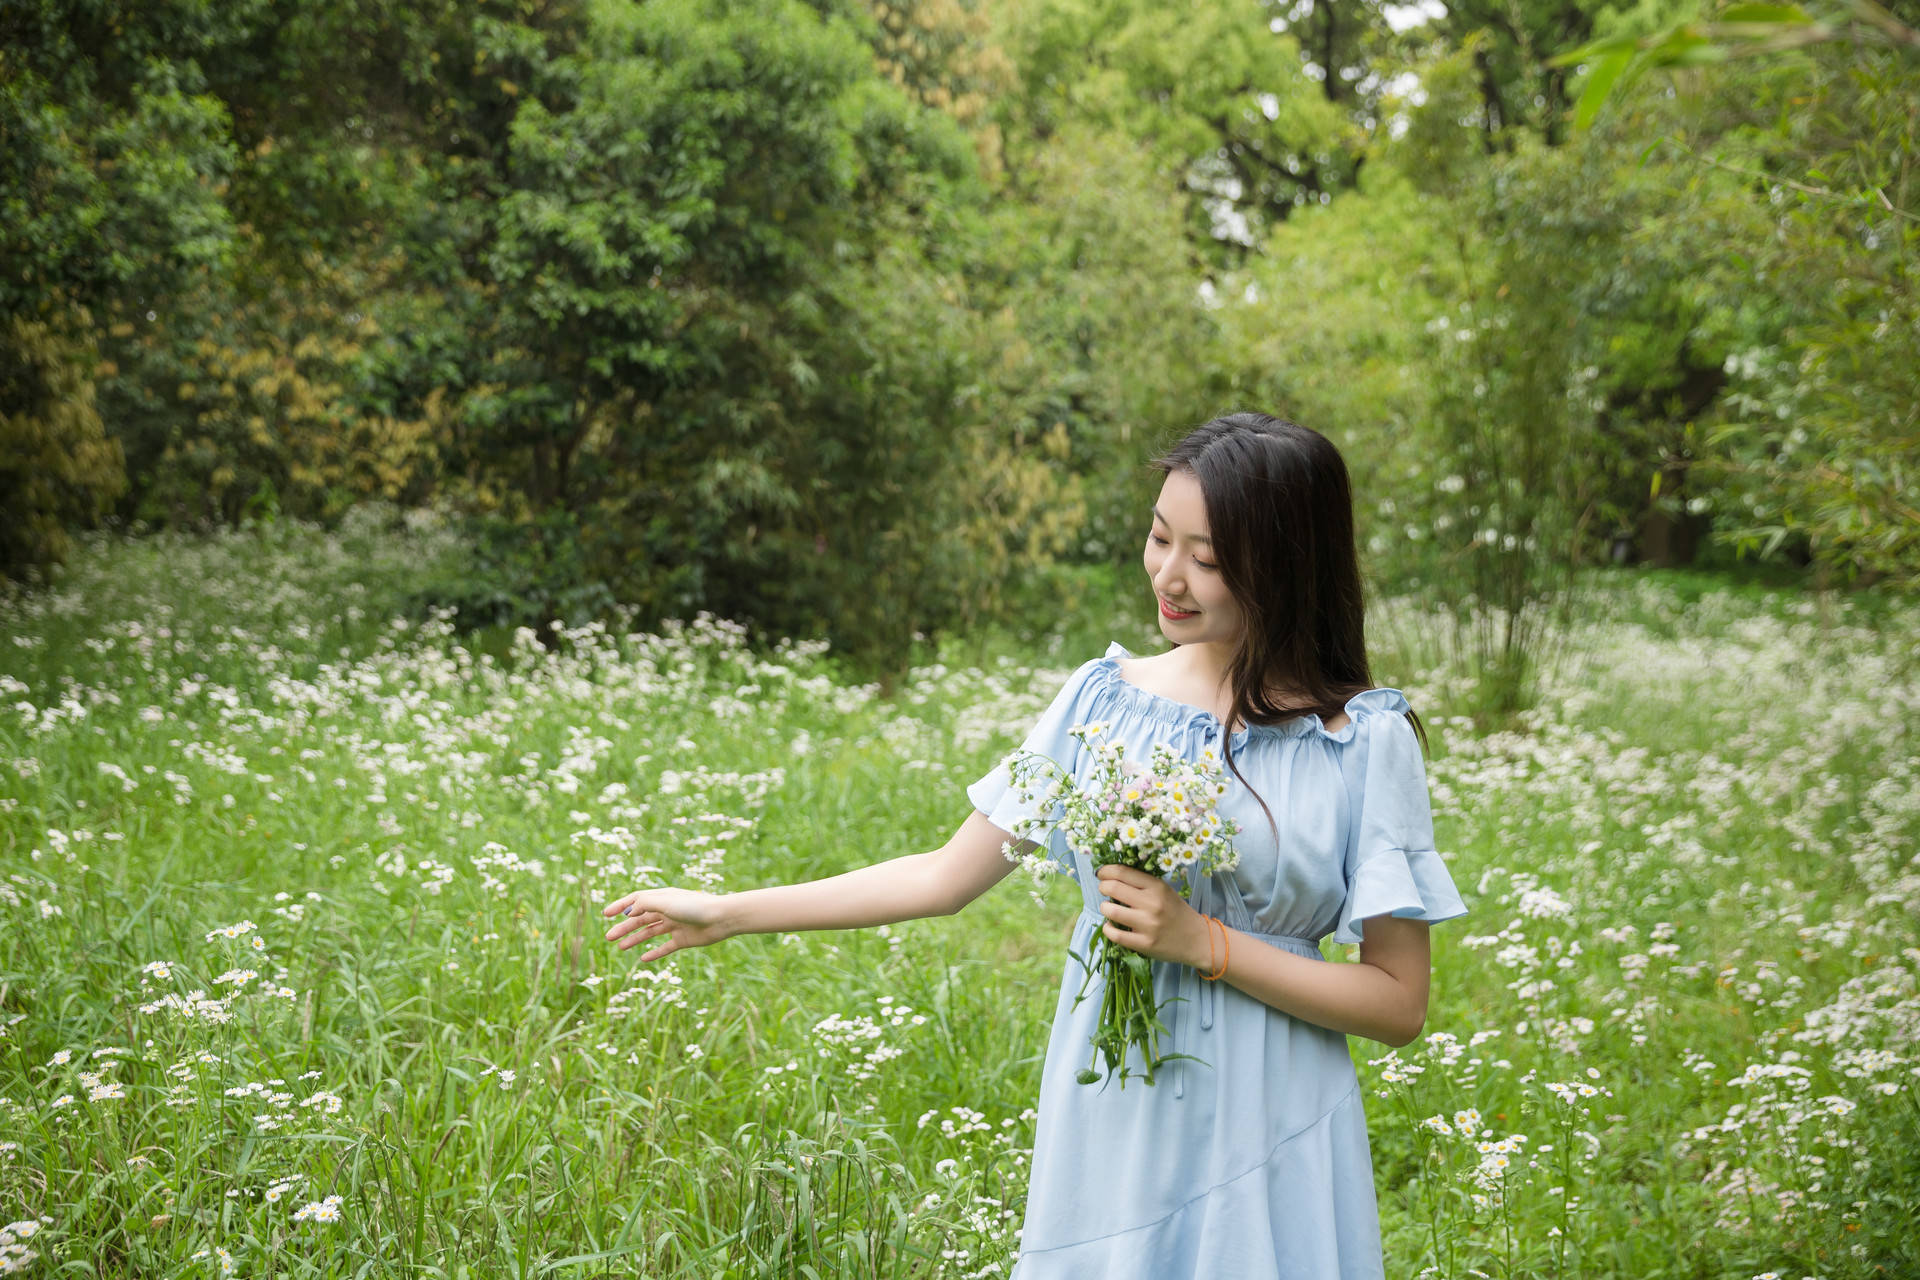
861,319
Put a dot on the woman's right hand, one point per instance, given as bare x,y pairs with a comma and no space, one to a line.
693,918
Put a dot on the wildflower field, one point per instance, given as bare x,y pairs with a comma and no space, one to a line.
301,970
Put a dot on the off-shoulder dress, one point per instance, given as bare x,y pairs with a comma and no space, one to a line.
1251,1163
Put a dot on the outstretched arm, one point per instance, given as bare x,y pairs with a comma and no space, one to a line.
920,884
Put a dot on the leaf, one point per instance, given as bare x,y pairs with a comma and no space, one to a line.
1593,51
1601,75
576,1259
1686,47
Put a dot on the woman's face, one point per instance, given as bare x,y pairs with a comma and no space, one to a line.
1194,604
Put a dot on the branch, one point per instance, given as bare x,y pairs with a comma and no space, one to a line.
1801,187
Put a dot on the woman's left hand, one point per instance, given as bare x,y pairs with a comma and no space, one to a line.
1159,922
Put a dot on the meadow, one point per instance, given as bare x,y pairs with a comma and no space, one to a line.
301,970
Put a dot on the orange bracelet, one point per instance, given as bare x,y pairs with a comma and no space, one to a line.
1226,940
1210,923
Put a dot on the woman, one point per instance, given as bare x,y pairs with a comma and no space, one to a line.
1249,1158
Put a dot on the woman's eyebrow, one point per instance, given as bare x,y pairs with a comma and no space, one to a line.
1163,520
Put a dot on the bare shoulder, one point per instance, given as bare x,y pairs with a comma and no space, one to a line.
1154,671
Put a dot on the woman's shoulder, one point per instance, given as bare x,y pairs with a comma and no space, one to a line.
1366,709
1106,669
1080,684
1149,678
1353,722
1129,666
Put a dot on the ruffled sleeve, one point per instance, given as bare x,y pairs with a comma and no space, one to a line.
998,796
1391,865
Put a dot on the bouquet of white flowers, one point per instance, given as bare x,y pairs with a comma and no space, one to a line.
1159,818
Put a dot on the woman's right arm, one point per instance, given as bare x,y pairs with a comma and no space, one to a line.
920,884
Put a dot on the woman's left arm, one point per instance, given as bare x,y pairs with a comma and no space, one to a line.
1383,997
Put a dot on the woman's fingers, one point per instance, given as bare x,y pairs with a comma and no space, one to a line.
621,928
652,929
646,926
1132,893
628,904
645,915
633,923
1113,874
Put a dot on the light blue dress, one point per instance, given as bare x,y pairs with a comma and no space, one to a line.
1252,1163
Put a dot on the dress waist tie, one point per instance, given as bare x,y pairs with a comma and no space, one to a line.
1190,987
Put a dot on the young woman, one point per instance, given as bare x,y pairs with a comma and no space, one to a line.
1249,1161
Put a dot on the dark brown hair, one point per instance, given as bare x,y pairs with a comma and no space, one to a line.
1280,513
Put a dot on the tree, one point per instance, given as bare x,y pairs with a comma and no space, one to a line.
107,200
57,467
1822,419
1223,101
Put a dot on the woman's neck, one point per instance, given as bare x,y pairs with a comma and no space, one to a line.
1207,665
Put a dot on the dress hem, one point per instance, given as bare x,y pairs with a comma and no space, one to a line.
1184,1205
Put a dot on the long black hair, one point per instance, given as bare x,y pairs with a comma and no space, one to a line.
1280,513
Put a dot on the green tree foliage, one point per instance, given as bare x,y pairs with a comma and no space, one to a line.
109,198
944,55
1817,435
1094,346
1821,431
852,317
1225,104
1523,349
57,467
684,354
1513,45
783,357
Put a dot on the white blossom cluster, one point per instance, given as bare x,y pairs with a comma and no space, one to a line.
1159,816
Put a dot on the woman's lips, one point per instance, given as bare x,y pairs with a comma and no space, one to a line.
1169,612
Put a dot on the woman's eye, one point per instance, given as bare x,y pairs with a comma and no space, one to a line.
1159,541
